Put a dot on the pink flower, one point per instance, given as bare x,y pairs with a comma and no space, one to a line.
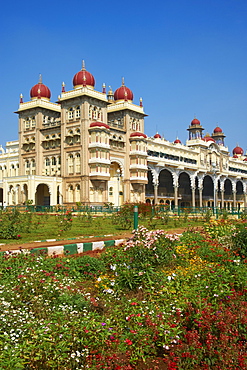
128,341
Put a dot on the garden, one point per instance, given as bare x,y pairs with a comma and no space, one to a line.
158,301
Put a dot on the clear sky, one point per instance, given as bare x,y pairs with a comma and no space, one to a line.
185,58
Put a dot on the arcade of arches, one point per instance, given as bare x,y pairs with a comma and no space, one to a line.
182,189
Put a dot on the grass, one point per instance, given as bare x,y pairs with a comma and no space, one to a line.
31,226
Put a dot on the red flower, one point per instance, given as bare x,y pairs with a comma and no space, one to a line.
128,341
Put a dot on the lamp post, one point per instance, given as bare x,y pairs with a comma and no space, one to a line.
214,172
118,186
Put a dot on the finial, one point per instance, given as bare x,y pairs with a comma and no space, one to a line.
141,105
110,90
103,88
40,78
63,87
59,97
122,81
21,98
83,66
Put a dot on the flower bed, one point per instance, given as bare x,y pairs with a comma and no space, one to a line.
159,301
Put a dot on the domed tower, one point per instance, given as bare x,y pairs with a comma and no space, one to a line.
237,152
39,132
218,136
40,91
83,78
123,93
195,129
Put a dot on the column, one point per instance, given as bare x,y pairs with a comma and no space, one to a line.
234,198
193,196
245,200
222,198
156,193
200,197
176,195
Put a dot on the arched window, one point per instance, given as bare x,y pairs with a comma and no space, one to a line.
78,163
71,164
70,113
53,161
78,112
27,124
33,122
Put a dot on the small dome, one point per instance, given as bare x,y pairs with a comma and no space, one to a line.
238,151
208,138
83,78
245,159
195,121
217,130
157,136
138,134
177,141
235,156
40,90
99,124
123,93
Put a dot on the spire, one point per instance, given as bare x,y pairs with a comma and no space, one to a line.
141,105
122,81
83,66
63,87
103,88
110,95
40,78
21,98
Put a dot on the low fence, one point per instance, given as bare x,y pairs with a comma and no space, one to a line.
143,208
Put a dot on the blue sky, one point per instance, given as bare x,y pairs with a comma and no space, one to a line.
185,58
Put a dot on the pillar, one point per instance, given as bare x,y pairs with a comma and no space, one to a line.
155,193
234,198
222,198
193,196
176,196
200,197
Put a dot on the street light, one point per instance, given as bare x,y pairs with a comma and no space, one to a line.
214,172
118,185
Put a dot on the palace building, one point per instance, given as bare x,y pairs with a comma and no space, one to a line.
89,147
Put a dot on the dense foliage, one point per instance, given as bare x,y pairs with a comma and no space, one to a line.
159,301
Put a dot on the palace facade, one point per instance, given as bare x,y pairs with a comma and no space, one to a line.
89,147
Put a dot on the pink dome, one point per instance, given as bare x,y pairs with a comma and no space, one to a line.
157,136
40,91
217,130
208,138
134,134
195,121
83,78
123,93
238,151
99,124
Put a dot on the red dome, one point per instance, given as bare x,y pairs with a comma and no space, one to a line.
83,78
177,141
238,150
157,136
245,159
217,130
195,121
123,93
235,156
137,134
40,91
208,138
99,124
